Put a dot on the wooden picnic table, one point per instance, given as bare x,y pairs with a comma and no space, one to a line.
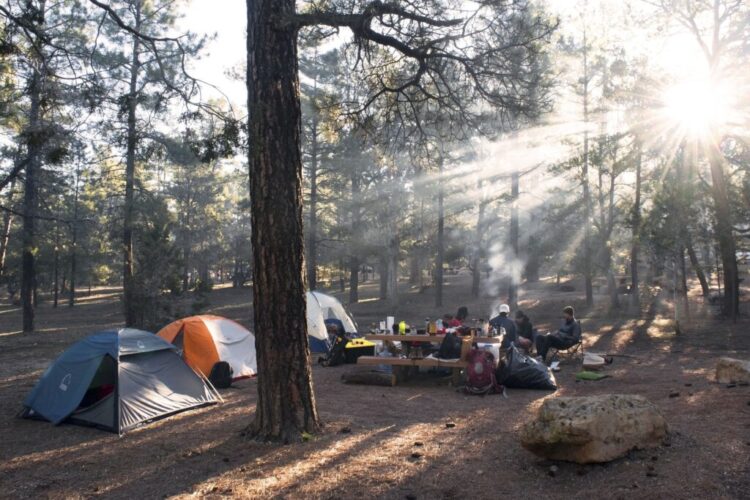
403,367
434,339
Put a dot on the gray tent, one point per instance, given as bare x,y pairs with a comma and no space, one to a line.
117,380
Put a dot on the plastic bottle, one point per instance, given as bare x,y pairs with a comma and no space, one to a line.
402,328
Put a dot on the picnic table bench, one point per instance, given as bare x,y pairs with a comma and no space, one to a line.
403,367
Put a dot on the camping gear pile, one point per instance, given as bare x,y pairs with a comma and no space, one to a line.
121,379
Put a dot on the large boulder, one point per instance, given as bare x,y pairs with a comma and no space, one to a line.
733,371
594,428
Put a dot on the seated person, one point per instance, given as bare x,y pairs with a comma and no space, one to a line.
335,329
503,321
450,322
461,315
524,331
566,337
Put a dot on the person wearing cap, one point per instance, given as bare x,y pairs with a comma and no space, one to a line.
566,337
503,321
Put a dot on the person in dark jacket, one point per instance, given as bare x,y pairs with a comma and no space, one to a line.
524,331
503,321
566,337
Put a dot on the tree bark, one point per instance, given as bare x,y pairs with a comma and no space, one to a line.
587,272
7,222
476,271
725,236
312,242
355,232
440,257
514,268
393,262
635,296
128,216
33,166
286,401
697,267
56,267
74,242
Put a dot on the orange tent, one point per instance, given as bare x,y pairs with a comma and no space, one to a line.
206,339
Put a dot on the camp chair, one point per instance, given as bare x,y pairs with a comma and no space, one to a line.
572,351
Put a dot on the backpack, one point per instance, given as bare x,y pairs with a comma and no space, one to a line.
480,374
337,352
450,348
221,375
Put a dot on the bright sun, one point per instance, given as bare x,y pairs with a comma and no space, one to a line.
696,107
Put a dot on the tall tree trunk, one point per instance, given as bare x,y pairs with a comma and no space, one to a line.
440,257
635,248
393,261
607,246
697,267
128,218
383,275
74,241
56,267
476,263
724,234
286,401
7,222
514,268
683,284
355,232
35,140
312,242
587,271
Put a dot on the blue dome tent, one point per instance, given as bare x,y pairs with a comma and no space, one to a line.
117,380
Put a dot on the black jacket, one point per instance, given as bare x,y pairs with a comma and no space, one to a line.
524,329
510,329
570,330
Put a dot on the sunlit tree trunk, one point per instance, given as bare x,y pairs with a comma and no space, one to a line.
440,257
587,271
514,269
286,402
725,235
697,268
476,271
7,222
312,242
35,143
74,241
355,232
129,208
635,295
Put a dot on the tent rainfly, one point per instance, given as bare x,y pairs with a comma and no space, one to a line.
204,340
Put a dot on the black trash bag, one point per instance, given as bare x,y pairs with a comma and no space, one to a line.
524,372
450,347
221,375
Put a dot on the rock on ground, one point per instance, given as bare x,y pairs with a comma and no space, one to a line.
733,371
594,428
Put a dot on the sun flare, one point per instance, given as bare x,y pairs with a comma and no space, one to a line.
696,107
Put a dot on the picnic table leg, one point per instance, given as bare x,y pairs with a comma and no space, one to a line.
456,378
399,374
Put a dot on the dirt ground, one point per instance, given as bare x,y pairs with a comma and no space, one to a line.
390,442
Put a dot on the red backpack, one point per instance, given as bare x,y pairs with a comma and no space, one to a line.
480,374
